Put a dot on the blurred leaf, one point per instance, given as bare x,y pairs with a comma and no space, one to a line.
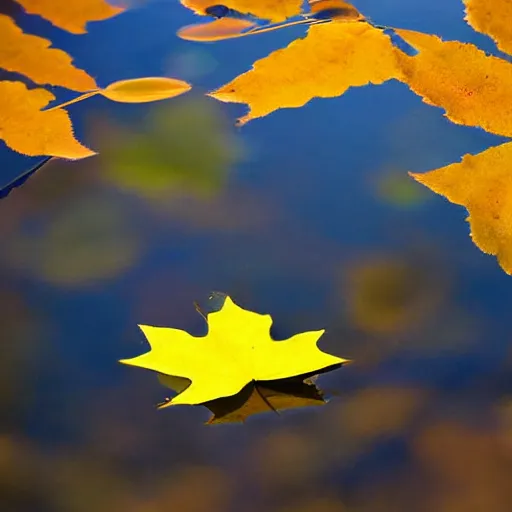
469,468
185,146
273,10
483,184
342,55
89,240
237,351
376,412
388,295
492,17
71,15
32,56
398,189
142,90
28,130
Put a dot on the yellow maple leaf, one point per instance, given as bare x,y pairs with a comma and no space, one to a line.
273,10
474,89
28,130
32,56
350,54
483,184
237,350
71,15
494,18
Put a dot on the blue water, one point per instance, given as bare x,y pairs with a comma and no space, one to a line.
293,221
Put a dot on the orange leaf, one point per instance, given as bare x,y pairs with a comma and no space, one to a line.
483,184
473,88
273,10
33,57
494,18
27,130
216,30
142,90
71,15
331,59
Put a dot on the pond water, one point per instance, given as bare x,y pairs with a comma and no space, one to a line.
307,214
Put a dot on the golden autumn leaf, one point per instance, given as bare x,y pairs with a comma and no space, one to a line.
474,89
255,398
273,10
28,130
142,90
236,351
71,15
494,18
483,184
32,56
342,55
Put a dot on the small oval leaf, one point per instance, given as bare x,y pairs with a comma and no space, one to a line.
142,90
224,28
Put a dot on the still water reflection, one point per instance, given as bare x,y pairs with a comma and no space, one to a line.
301,215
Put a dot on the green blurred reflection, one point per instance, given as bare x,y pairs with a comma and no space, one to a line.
183,146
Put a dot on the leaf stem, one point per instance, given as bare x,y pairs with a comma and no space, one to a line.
200,311
74,100
270,406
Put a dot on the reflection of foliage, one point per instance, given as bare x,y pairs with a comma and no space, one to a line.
270,396
19,352
389,295
87,241
187,146
399,190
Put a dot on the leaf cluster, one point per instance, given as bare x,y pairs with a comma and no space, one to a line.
27,125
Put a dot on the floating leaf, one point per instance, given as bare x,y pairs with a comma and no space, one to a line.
216,30
331,59
71,15
483,184
494,18
142,90
475,89
31,132
32,56
273,10
237,350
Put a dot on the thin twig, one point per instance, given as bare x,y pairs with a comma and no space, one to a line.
74,100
